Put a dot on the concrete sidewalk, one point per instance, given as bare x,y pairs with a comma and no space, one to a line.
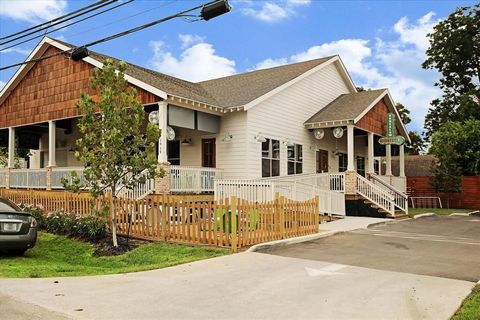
247,286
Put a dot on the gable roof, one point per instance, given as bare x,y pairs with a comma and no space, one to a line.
240,89
232,91
346,106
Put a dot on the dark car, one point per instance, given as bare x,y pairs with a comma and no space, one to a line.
18,229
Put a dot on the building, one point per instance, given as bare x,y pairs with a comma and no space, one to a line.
296,120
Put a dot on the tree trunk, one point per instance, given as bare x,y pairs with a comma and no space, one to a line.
113,215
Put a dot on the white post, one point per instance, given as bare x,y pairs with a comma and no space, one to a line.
162,124
11,147
350,149
402,161
388,171
371,160
51,143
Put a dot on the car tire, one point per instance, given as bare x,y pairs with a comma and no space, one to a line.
18,252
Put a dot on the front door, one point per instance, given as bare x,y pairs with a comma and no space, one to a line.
322,161
208,153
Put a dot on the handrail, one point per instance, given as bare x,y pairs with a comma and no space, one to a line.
400,198
375,194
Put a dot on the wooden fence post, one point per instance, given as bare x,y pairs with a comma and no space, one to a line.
317,214
280,206
165,218
233,221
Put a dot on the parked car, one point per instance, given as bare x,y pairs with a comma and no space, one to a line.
18,229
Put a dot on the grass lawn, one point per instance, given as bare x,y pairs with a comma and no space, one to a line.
414,211
470,309
55,256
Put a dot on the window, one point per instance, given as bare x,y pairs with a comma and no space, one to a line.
361,166
295,159
270,158
342,162
376,166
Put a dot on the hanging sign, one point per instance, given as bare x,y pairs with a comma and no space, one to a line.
391,138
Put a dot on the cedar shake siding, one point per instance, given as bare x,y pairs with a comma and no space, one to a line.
50,91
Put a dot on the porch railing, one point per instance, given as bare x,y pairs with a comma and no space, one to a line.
325,181
376,194
193,179
66,172
28,178
400,198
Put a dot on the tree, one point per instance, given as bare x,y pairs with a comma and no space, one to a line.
416,145
404,113
457,149
455,52
114,146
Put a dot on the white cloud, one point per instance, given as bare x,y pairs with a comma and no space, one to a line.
32,11
190,39
196,63
272,12
394,64
17,50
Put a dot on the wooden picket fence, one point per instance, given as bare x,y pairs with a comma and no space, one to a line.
232,223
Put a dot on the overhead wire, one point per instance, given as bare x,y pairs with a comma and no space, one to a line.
67,25
53,20
117,35
61,21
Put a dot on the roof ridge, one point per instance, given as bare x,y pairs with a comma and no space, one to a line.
320,60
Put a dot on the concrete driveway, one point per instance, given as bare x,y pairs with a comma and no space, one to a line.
247,286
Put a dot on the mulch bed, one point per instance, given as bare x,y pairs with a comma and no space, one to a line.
104,247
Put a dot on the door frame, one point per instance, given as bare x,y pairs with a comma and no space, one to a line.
214,153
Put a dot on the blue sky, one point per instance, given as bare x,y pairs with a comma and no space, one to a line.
382,43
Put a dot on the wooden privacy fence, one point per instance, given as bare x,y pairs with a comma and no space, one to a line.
233,223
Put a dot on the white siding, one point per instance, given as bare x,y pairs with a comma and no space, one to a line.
282,116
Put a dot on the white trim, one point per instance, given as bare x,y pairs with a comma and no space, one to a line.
267,95
40,49
391,106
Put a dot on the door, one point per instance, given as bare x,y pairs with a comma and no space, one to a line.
322,161
208,153
173,152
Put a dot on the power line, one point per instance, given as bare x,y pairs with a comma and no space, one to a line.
67,25
206,15
103,4
53,20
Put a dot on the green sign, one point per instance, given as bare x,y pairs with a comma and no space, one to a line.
391,138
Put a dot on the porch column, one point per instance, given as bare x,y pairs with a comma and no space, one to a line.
402,160
11,147
388,149
162,124
350,149
51,143
162,185
52,162
371,160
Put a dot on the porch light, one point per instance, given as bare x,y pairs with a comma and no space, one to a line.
186,142
153,117
260,138
227,137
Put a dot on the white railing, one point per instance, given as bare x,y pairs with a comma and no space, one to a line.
399,183
66,172
28,178
324,181
3,177
400,198
193,179
262,190
140,190
375,194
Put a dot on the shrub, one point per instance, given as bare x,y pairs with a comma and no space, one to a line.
69,224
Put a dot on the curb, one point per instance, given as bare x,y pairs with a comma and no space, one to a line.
463,214
421,215
310,237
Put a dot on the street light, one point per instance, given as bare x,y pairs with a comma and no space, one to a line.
216,9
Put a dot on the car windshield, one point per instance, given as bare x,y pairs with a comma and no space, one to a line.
8,206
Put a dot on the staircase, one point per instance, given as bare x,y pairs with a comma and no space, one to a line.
140,190
383,197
